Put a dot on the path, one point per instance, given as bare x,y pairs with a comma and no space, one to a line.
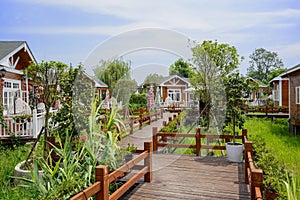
145,134
190,177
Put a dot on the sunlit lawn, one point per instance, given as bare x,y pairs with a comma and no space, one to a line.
284,146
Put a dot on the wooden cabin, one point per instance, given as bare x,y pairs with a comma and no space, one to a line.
293,78
173,88
15,56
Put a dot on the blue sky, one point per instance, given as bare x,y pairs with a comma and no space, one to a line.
69,30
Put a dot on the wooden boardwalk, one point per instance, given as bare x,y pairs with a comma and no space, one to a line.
190,177
186,176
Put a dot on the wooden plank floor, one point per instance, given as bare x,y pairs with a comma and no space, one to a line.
190,177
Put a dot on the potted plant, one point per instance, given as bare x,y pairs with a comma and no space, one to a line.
237,89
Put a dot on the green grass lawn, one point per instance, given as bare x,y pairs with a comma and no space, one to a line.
9,158
284,146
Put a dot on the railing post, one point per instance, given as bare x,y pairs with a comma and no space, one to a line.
256,181
34,124
248,148
102,177
149,115
198,142
164,138
174,116
148,161
154,138
141,121
131,125
245,135
161,113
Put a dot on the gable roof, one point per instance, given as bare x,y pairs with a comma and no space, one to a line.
260,84
99,83
96,82
9,48
168,78
291,70
284,74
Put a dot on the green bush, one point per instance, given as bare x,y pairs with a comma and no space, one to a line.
138,99
273,171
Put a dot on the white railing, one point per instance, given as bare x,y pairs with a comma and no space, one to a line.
30,127
20,128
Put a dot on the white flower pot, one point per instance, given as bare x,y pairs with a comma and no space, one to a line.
234,152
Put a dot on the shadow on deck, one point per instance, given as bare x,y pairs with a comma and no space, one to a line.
190,177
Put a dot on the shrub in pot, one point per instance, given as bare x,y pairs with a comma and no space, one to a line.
237,90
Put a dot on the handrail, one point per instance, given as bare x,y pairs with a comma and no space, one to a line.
103,178
253,176
156,136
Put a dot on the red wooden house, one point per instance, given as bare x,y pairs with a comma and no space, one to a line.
174,88
15,56
293,77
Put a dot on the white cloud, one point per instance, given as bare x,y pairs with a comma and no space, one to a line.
203,16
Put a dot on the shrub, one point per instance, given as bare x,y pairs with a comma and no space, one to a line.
138,99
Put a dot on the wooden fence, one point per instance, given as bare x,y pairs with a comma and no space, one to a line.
101,188
144,117
160,140
253,176
267,109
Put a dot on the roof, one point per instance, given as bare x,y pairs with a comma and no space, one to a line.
6,47
260,84
284,74
9,48
291,70
167,78
99,83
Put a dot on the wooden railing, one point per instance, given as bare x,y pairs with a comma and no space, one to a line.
101,188
144,118
160,140
267,109
253,175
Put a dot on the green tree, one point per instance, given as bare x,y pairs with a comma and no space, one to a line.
262,63
212,62
180,68
48,76
76,98
154,79
223,56
110,72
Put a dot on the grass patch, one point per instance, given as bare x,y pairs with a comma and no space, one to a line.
284,146
9,158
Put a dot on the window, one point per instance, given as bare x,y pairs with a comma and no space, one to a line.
174,94
298,95
16,85
11,91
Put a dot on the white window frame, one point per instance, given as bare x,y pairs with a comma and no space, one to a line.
172,93
297,94
9,92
